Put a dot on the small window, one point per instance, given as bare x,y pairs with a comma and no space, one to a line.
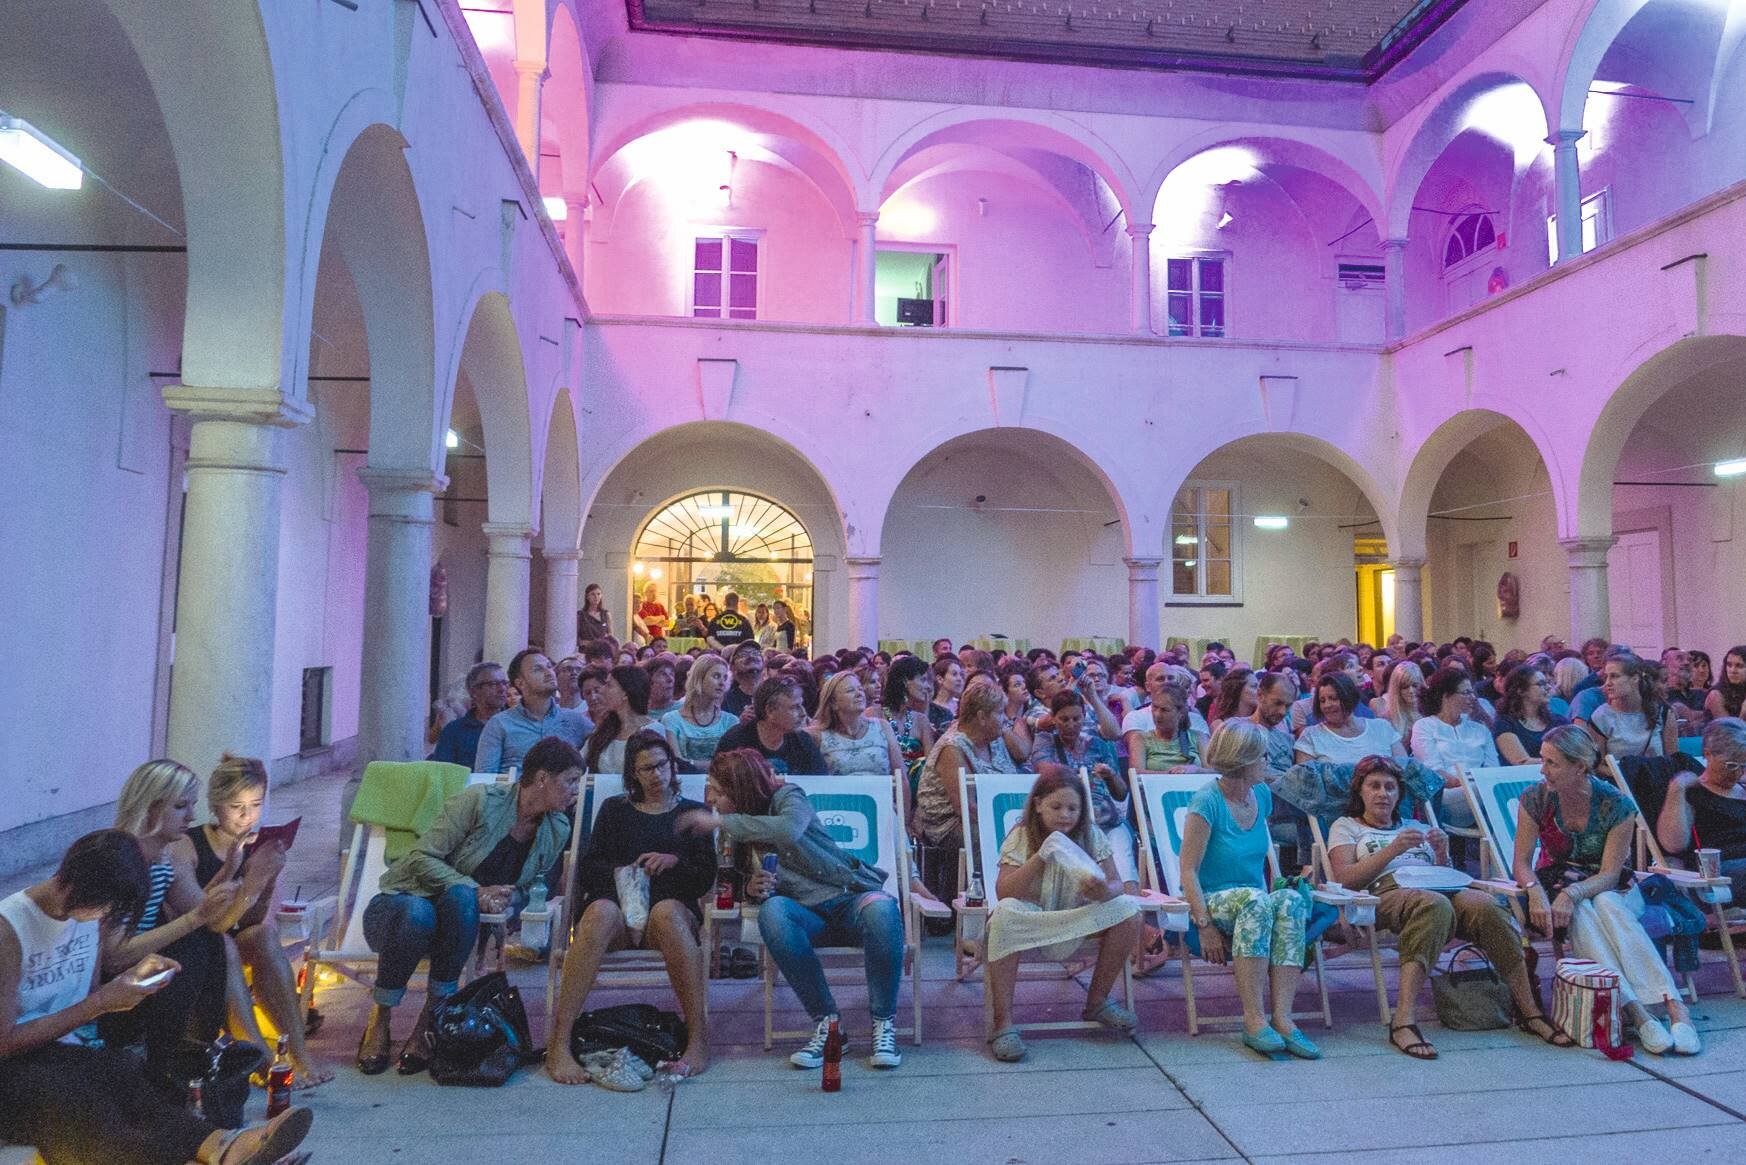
1362,276
316,718
1203,559
1597,224
724,277
1471,234
1195,286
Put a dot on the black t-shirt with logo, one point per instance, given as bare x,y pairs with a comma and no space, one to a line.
729,628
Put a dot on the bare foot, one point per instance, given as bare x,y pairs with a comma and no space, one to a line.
695,1061
562,1067
307,1073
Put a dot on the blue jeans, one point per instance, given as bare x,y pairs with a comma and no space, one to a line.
871,921
404,929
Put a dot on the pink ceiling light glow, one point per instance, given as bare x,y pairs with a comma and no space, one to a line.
1193,201
692,164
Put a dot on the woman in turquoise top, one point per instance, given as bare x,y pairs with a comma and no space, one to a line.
1224,878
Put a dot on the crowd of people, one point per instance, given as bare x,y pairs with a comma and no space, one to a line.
161,931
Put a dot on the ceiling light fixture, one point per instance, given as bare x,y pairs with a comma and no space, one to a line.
1731,468
1272,522
556,208
452,439
38,156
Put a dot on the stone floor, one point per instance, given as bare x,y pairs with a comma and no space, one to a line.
1160,1096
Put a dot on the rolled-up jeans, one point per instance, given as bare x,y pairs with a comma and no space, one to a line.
404,929
870,921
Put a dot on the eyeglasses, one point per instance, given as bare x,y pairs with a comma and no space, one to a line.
651,769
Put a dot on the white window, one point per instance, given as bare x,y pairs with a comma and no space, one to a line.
1203,542
1469,235
1195,287
1597,224
724,276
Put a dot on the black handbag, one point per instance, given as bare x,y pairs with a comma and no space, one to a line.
1471,1000
223,1070
651,1034
479,1035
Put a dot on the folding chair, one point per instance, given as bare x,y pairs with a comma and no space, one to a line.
861,813
993,805
1163,800
630,968
1711,893
1495,795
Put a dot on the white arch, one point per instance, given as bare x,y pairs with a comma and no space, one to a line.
561,479
488,349
568,101
1446,442
1360,176
1591,34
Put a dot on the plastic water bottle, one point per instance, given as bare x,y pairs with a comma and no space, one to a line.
536,920
536,899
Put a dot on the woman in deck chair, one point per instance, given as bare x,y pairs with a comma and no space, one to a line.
1224,878
1058,886
1582,827
1371,848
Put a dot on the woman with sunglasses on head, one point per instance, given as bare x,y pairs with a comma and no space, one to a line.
1708,809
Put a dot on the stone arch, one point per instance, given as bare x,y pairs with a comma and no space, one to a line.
568,100
1429,462
488,353
212,72
1359,176
1591,34
561,478
1030,130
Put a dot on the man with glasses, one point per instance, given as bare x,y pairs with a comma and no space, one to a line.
570,670
509,734
747,664
488,689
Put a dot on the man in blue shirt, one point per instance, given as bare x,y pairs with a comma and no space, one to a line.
488,688
509,734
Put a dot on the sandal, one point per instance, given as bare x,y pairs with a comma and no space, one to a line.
1114,1016
1420,1048
1552,1035
1008,1046
1151,958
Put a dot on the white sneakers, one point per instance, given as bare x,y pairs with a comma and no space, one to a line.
885,1053
1653,1035
1685,1040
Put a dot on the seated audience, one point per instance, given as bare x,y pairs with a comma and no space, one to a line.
1052,906
1567,673
180,920
1235,698
1070,745
1158,675
1273,696
1224,878
488,691
1635,720
509,734
1524,715
663,685
906,701
485,851
624,712
696,727
1365,849
640,828
76,1103
1448,739
850,740
1338,735
1703,674
973,745
818,896
569,672
746,664
1580,882
1684,700
774,731
1708,810
1728,697
1170,745
1399,702
235,795
1308,710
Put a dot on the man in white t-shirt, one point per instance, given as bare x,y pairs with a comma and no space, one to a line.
1140,719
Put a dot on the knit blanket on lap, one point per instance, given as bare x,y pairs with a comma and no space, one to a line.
1319,788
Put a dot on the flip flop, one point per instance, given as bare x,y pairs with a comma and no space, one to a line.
1419,1049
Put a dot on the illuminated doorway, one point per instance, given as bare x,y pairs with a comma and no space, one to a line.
715,541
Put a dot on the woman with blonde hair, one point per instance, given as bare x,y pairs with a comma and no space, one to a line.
180,920
1399,703
236,794
852,741
697,725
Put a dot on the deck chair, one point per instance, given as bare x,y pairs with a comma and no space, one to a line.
1495,795
1710,894
992,806
629,968
861,813
364,863
1163,799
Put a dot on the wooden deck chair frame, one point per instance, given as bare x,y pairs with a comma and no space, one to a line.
889,850
1710,894
1160,797
632,967
344,948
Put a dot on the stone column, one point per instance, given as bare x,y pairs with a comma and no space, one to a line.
1591,613
1567,194
507,567
221,698
576,233
863,602
1143,623
1140,305
1409,598
561,602
530,77
396,657
867,266
1394,288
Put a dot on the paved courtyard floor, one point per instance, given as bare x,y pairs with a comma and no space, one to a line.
1087,1099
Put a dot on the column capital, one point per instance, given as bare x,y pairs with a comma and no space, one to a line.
867,219
1395,244
1140,568
1588,553
523,67
1407,564
384,480
561,555
1565,137
862,566
1140,230
509,539
249,406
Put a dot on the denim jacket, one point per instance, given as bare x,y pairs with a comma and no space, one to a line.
471,824
810,867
